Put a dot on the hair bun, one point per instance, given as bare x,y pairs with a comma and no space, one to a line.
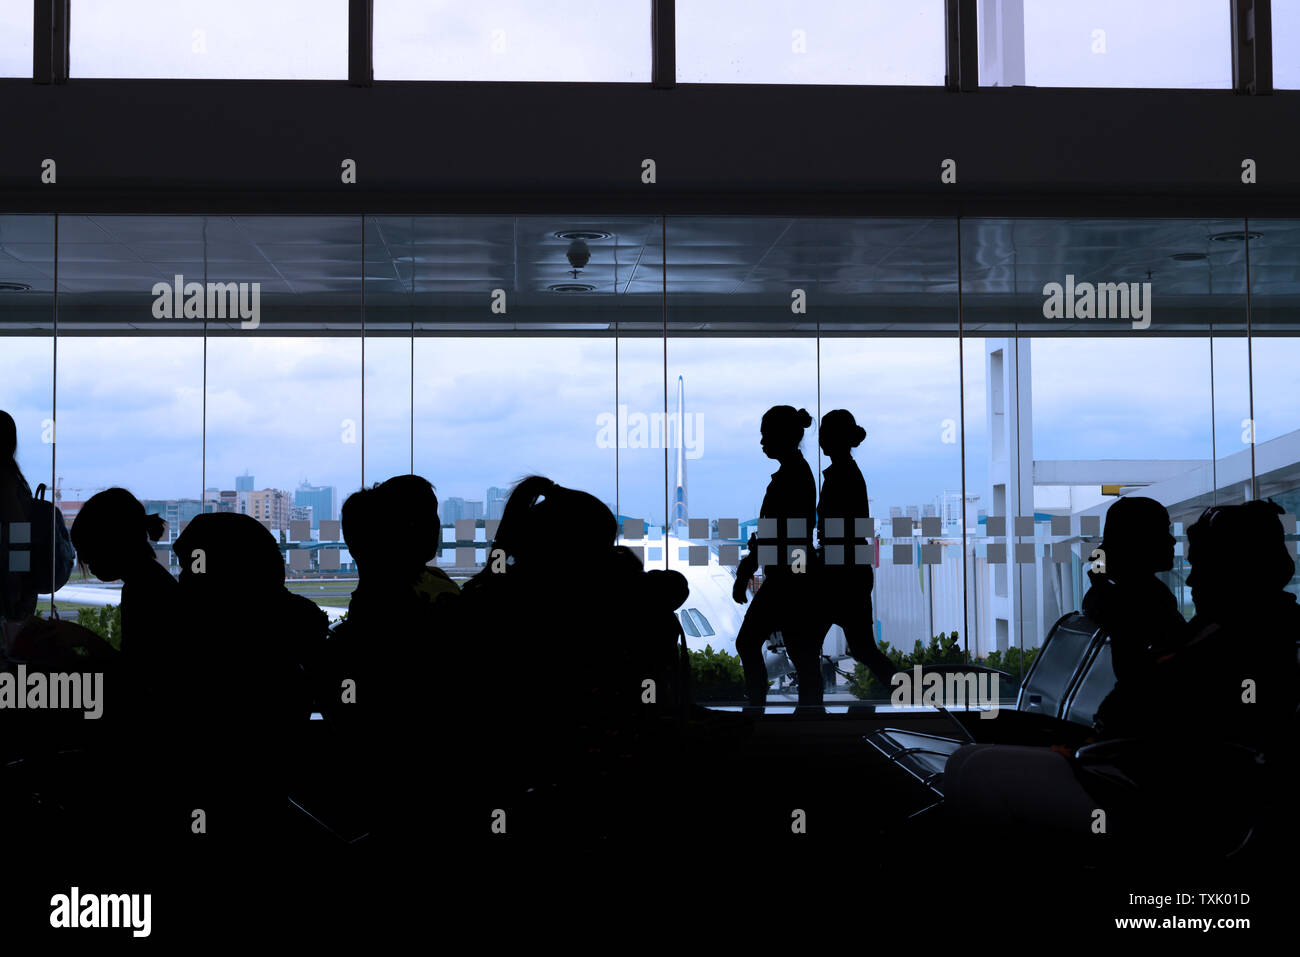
805,419
155,526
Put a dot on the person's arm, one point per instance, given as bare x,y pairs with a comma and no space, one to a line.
745,571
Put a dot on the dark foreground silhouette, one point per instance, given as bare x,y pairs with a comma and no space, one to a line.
458,725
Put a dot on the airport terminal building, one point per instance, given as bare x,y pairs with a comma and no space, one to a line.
1046,254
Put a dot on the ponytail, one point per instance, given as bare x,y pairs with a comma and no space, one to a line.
839,428
514,528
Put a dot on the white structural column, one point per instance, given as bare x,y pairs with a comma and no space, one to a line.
1013,616
1002,43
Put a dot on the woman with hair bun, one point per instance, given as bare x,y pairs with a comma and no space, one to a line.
783,603
114,540
845,592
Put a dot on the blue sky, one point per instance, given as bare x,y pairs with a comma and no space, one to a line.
488,411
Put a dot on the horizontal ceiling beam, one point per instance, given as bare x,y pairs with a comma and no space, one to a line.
268,146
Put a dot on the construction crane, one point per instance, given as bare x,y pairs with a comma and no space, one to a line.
58,491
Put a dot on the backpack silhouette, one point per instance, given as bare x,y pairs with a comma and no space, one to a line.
52,554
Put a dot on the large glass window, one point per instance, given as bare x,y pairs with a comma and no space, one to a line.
822,41
1286,44
16,39
284,426
1076,362
1274,248
1106,43
130,407
1105,376
561,40
200,39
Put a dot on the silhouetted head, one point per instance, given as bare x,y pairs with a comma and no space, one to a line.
363,527
1137,540
1238,555
392,528
232,557
545,525
782,430
839,432
8,446
112,533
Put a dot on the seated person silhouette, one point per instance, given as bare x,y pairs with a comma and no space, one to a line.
784,601
400,632
582,652
1126,599
243,671
843,585
401,601
114,541
1233,681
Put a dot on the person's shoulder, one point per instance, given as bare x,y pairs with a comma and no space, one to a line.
794,470
306,613
160,576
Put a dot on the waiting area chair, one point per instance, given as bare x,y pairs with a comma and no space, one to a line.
1068,679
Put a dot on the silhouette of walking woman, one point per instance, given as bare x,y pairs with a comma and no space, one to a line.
782,603
844,585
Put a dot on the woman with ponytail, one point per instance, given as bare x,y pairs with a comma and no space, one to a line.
783,603
844,595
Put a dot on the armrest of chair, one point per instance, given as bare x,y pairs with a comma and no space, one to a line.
1108,749
956,667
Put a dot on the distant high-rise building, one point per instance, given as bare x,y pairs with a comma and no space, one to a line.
913,513
451,510
496,501
270,506
950,507
175,512
302,513
244,483
928,511
320,498
226,500
895,511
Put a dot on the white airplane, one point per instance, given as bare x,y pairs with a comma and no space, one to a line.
99,594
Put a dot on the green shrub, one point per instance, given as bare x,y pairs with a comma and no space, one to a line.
1011,661
105,622
941,650
717,676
